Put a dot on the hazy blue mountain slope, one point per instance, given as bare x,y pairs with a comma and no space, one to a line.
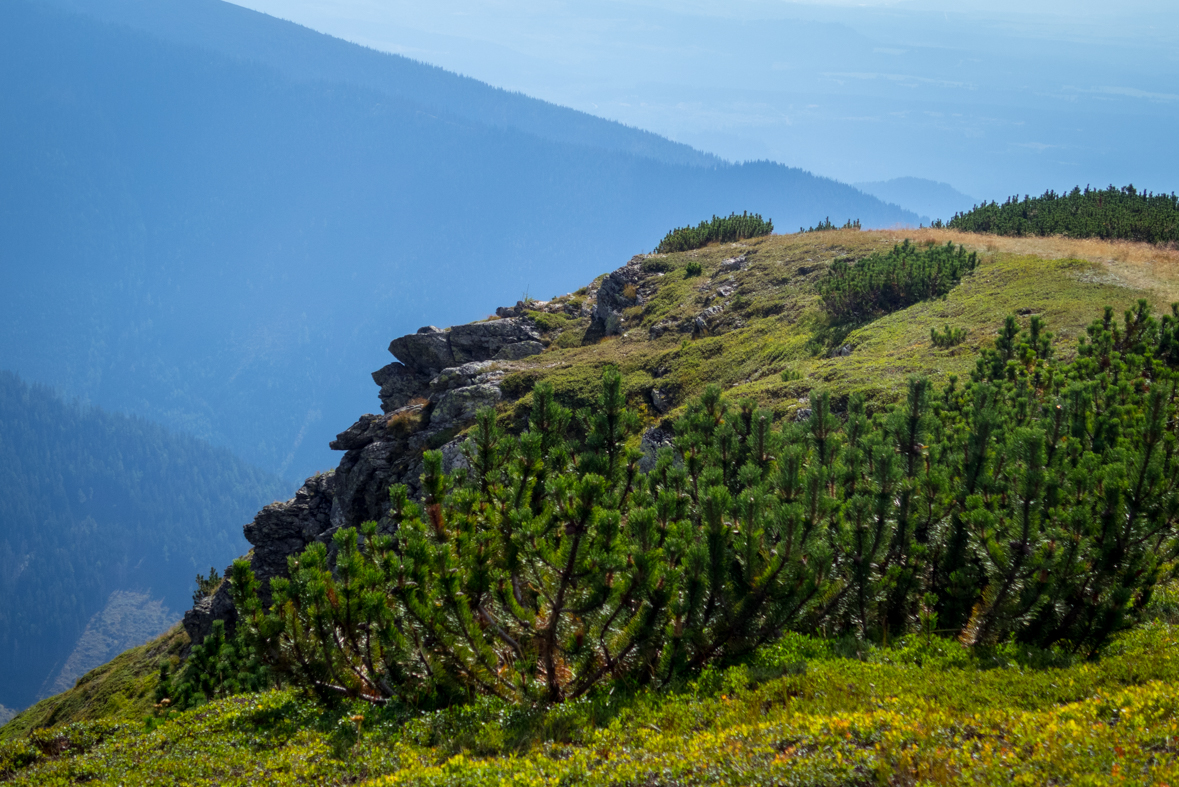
927,198
215,245
96,503
305,54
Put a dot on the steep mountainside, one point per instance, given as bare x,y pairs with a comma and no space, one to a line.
745,316
750,322
102,511
178,193
307,56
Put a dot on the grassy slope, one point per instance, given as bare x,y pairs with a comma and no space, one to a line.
773,314
914,713
765,328
120,690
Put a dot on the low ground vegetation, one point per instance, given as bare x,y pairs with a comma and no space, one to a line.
803,711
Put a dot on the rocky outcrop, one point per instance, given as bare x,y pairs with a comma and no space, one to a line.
461,404
438,382
483,341
429,351
425,352
399,385
283,529
277,532
618,291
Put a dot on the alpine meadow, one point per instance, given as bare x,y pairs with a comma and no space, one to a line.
364,423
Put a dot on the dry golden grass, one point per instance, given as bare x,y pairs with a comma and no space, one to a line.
1139,266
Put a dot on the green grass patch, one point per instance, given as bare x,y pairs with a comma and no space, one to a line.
806,711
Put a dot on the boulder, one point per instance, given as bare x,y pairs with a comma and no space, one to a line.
732,264
367,430
459,405
424,353
660,400
459,377
481,341
515,352
399,385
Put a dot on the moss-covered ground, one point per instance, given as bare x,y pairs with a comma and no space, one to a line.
120,690
805,711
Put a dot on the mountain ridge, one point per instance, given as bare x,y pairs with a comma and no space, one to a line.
176,202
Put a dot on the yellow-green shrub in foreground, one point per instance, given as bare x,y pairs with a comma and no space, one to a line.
917,714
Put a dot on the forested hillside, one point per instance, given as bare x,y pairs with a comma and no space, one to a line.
96,503
227,231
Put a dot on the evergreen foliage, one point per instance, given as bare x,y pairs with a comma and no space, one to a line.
826,225
206,584
717,230
883,283
1112,214
1037,502
947,337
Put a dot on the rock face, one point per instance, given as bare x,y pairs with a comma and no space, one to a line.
612,297
399,384
440,379
430,351
461,404
279,530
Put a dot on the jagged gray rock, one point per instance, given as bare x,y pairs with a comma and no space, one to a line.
399,385
460,404
454,370
366,430
612,300
653,439
430,351
283,529
424,353
453,457
660,400
459,377
519,350
277,532
198,621
481,341
732,264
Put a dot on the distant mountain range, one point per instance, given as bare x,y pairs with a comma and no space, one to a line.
928,198
211,217
105,521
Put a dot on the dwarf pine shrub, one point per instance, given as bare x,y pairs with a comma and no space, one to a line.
717,230
1037,502
882,283
947,337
